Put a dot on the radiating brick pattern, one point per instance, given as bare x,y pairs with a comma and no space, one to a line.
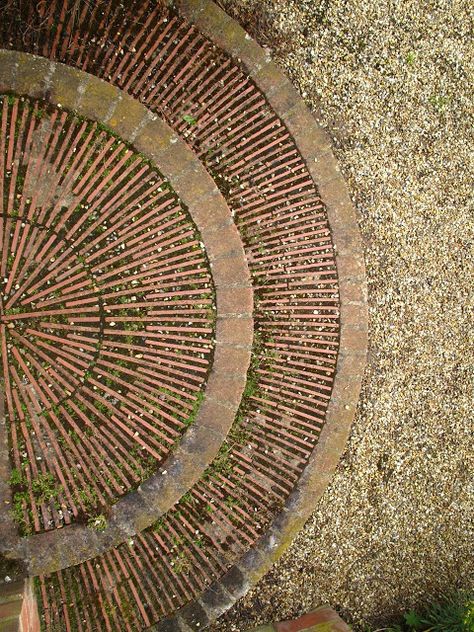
106,314
212,543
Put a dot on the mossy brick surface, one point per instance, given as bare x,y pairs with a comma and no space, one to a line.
11,591
279,91
173,157
99,100
33,76
195,616
207,15
154,139
312,143
65,85
215,600
8,66
127,118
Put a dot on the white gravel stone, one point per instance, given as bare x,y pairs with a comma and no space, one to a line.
392,83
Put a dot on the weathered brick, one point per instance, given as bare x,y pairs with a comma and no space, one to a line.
9,61
211,214
195,616
154,139
231,360
216,417
127,118
215,600
323,167
354,316
227,389
190,180
308,135
98,100
230,271
32,75
324,619
238,301
234,330
224,242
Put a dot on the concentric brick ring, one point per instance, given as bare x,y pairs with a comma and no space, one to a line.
90,255
196,69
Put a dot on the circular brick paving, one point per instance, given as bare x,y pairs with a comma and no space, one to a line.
113,224
106,316
201,104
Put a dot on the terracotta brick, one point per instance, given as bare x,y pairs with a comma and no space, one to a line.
239,44
351,363
215,416
279,90
172,159
227,389
354,316
207,15
211,214
238,300
322,166
230,271
323,619
355,338
191,181
224,242
353,291
234,330
350,267
30,621
231,360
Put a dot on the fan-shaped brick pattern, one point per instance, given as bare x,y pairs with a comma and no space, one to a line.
190,564
106,314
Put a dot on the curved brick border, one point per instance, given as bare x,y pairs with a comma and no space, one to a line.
315,147
95,99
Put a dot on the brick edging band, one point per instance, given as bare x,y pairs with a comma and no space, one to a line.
315,148
26,74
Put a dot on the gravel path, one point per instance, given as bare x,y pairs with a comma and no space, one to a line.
392,83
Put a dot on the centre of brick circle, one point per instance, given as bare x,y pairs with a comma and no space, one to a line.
107,315
39,320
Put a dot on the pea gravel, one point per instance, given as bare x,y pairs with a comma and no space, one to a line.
392,83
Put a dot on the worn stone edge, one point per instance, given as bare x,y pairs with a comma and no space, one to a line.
315,148
26,74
